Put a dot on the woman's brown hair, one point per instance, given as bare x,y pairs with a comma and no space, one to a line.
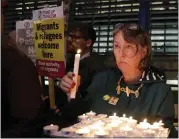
134,34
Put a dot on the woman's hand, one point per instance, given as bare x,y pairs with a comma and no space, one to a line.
67,82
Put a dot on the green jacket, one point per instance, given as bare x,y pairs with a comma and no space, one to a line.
155,101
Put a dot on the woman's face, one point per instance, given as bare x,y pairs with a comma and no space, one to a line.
128,55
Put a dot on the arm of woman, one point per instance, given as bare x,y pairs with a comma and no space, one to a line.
166,112
81,104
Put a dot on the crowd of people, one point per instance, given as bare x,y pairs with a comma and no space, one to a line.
133,85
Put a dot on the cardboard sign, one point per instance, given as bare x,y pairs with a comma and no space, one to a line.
24,38
49,44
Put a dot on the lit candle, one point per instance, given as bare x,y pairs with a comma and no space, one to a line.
75,71
126,128
114,117
91,114
83,131
144,124
113,124
124,118
101,133
161,123
131,121
82,117
50,129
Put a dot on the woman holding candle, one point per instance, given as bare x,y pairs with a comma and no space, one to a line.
133,87
81,37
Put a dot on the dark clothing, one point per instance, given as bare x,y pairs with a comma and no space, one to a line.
155,100
21,95
88,67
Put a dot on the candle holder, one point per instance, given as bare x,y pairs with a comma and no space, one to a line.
91,114
82,117
50,129
101,133
101,116
83,132
68,131
131,122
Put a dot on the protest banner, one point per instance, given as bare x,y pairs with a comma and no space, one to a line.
24,38
49,45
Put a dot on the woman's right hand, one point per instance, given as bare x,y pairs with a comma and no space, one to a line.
67,82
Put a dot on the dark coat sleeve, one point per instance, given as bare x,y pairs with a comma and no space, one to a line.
24,95
166,112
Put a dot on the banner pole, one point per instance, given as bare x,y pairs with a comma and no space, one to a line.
51,93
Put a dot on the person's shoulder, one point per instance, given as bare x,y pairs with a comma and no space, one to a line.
13,56
160,89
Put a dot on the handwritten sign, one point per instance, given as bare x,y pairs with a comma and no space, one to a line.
24,38
49,47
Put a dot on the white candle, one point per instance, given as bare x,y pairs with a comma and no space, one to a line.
160,123
144,124
131,121
101,116
91,114
75,71
101,133
124,118
114,117
82,117
83,131
50,129
149,133
126,128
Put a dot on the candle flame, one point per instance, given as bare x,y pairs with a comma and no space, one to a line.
51,125
124,115
114,114
78,51
130,117
160,121
145,120
83,114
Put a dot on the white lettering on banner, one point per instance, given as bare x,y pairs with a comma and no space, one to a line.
53,64
51,69
31,50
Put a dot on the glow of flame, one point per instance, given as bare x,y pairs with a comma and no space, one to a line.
78,51
114,114
130,117
160,121
145,120
124,115
51,125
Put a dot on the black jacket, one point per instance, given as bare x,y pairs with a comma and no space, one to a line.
21,101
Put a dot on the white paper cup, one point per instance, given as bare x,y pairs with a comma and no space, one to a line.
50,129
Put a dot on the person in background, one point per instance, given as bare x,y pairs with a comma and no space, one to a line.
81,36
134,87
21,102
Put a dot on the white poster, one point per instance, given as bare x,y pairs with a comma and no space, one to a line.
24,38
47,13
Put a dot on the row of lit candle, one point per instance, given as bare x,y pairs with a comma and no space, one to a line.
101,126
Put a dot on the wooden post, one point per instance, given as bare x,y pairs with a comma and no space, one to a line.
51,93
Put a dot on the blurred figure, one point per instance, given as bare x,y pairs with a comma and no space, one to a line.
21,101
